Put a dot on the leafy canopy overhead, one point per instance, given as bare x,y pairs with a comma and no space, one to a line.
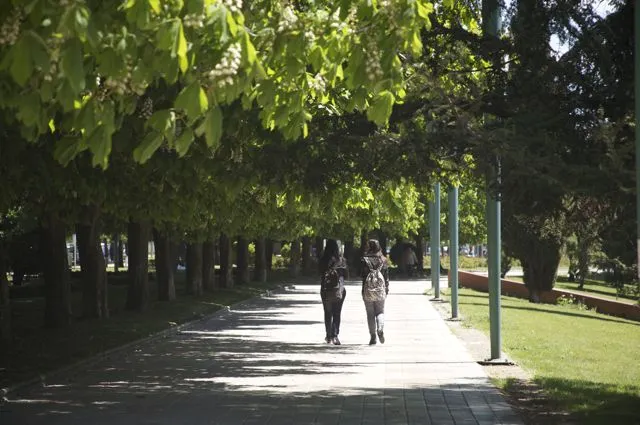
78,67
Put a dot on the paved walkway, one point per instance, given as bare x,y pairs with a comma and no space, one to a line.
266,363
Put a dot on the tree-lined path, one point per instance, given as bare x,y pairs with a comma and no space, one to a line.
264,362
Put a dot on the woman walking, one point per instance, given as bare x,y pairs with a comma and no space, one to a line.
375,288
333,272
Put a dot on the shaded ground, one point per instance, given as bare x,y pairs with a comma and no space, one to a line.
265,363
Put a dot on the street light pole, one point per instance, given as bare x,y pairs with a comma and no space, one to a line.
637,100
453,249
491,28
435,241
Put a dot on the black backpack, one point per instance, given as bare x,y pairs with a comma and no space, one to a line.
332,283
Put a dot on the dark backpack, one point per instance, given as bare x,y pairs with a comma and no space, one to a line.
332,283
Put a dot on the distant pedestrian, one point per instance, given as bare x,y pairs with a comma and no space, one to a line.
375,288
333,272
410,260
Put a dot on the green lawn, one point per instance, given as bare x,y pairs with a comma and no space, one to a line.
36,350
585,361
591,287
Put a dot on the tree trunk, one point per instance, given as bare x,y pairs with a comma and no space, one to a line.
268,253
194,269
319,243
208,266
583,260
104,248
363,242
306,255
383,242
165,266
115,246
120,252
242,260
138,250
420,252
175,248
5,302
540,267
260,271
226,266
92,265
56,273
294,264
349,254
535,295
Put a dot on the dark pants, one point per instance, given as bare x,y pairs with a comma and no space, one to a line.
332,312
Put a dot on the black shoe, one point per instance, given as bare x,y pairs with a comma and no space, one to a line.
373,341
336,341
328,339
381,337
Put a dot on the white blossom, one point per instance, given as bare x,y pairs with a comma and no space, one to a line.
234,6
10,29
228,66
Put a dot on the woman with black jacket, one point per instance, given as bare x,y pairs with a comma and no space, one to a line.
333,272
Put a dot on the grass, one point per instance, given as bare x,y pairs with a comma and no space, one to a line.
592,287
36,350
585,361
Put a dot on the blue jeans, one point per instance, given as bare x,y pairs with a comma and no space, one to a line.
332,313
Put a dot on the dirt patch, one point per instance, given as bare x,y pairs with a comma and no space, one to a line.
519,388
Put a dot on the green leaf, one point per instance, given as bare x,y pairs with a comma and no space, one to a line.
72,65
86,117
345,5
161,121
99,143
170,37
68,148
195,6
167,35
184,142
416,44
317,58
38,50
66,96
181,48
110,63
380,110
249,55
193,100
213,127
29,109
106,115
155,6
426,8
231,24
81,22
148,147
22,64
46,91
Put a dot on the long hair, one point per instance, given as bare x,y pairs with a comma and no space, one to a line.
373,248
331,253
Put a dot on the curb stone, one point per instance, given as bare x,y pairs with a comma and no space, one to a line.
165,333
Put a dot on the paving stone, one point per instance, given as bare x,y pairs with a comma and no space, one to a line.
265,362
